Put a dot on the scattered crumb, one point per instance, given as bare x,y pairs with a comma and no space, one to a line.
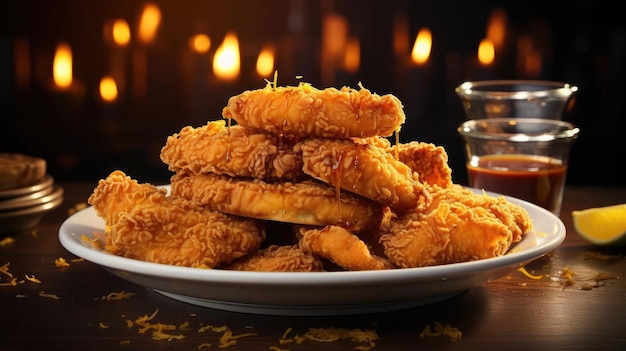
61,262
439,329
51,296
7,241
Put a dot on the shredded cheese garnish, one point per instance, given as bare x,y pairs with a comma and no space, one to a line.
7,241
366,337
228,339
440,329
567,277
32,279
44,294
5,269
117,296
92,242
526,273
12,282
61,262
103,326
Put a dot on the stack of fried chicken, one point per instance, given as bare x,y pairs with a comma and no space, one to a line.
302,179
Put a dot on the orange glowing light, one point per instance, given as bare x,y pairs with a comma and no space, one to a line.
200,43
265,61
352,59
149,23
226,63
486,52
62,66
335,34
22,59
121,32
422,46
401,34
496,28
529,60
108,89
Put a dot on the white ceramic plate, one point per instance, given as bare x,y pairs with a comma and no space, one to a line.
315,293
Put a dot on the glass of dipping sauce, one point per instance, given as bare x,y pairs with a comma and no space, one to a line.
516,98
525,158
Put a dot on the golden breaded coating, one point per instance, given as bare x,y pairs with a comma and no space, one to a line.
143,223
277,258
234,151
305,202
363,169
341,247
305,111
429,161
458,226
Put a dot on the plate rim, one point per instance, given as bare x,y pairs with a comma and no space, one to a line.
71,242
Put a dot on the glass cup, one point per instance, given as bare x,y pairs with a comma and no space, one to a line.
515,98
525,158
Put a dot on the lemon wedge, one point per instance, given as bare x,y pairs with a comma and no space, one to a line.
602,225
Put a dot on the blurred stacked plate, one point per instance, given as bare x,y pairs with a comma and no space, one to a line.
27,192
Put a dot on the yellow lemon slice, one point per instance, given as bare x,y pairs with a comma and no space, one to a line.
602,225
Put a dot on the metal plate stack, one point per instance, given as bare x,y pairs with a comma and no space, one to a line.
27,192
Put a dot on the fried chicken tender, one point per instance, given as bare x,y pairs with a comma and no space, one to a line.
458,226
341,247
275,258
429,161
305,111
306,202
363,169
143,223
234,151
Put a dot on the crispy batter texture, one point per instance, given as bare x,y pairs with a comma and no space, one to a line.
142,222
458,226
341,247
277,258
305,111
429,161
306,202
233,151
361,168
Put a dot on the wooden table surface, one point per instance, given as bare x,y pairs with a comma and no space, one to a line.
69,310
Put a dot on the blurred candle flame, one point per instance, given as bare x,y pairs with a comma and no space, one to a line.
334,38
496,27
401,34
422,46
149,23
121,32
486,52
62,66
265,61
352,59
22,62
108,89
200,43
528,59
226,63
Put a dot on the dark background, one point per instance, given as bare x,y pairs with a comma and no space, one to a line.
82,138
